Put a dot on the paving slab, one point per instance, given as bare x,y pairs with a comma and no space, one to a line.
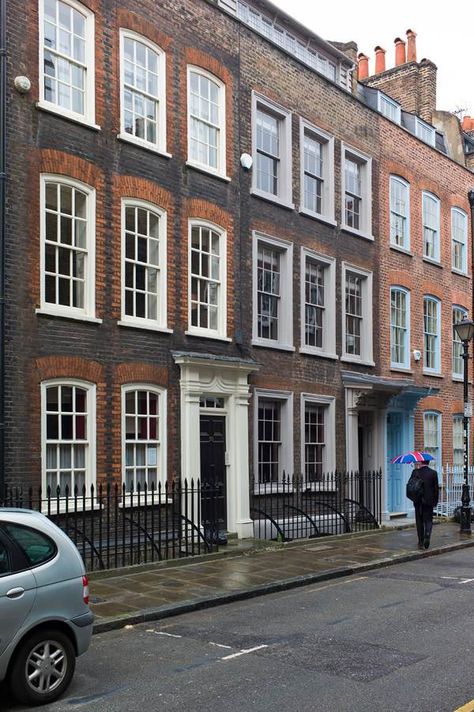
143,593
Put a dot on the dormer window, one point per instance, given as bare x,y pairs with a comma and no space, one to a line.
424,131
389,108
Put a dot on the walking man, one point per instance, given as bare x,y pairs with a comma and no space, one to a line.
424,506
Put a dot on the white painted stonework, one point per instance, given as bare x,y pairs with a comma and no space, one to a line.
227,379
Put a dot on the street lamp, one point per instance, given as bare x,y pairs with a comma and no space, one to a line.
465,330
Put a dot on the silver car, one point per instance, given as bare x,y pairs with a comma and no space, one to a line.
45,620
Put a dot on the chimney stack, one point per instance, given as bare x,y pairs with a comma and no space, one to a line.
467,124
379,60
363,71
411,46
400,55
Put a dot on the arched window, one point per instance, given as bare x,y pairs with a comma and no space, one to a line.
206,120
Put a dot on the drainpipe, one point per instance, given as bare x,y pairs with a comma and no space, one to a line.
3,139
470,197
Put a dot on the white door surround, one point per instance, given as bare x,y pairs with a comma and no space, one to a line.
223,377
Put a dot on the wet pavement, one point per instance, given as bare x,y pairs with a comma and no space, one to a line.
247,569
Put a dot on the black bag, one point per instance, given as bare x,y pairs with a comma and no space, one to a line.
415,488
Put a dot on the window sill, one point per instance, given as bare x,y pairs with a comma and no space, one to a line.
68,315
403,250
128,138
144,326
207,335
270,198
71,505
460,273
457,378
431,261
358,233
76,118
400,369
317,216
434,374
360,361
208,171
133,500
315,352
269,344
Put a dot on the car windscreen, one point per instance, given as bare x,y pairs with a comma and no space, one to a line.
37,547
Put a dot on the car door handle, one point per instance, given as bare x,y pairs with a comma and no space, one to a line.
15,592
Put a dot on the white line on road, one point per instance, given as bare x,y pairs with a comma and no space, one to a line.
467,581
169,635
244,652
219,645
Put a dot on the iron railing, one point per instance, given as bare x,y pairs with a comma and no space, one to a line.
451,479
335,503
114,527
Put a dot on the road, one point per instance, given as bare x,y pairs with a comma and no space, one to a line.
396,639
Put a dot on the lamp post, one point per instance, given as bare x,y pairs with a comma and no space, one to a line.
465,331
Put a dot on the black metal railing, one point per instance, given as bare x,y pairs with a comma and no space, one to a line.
114,527
335,503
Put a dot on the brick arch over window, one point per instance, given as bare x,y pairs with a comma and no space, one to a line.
200,59
196,209
127,20
48,368
131,373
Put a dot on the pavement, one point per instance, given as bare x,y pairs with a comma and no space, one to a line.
251,568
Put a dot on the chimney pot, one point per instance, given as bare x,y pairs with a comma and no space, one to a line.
400,55
467,123
379,60
411,46
363,71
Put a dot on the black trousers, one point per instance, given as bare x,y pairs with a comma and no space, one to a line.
424,521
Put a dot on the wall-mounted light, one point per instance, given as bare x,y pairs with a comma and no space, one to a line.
246,161
22,84
416,355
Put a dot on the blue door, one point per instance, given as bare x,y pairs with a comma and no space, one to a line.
396,500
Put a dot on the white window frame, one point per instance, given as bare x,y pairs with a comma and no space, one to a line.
456,341
285,316
221,151
366,356
221,331
286,463
328,348
463,243
284,193
159,324
90,462
436,463
365,163
427,196
159,146
88,117
394,113
394,179
327,173
162,439
424,131
437,368
329,455
458,419
88,312
406,363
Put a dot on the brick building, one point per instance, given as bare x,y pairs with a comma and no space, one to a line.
198,248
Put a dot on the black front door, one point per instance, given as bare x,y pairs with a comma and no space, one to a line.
213,473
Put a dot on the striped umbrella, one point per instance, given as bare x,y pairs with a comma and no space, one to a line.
408,458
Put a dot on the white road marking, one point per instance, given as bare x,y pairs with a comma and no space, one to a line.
219,645
467,581
169,635
244,652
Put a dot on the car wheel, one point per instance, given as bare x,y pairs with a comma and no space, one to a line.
43,667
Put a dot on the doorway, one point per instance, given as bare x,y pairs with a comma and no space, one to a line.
213,474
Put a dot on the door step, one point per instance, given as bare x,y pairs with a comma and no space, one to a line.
397,515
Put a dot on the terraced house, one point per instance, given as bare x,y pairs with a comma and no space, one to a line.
224,251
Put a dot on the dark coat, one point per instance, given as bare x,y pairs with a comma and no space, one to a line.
430,482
